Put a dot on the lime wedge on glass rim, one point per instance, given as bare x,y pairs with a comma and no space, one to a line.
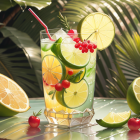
113,120
133,96
74,96
97,27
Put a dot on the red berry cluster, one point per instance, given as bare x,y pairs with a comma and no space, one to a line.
85,46
64,84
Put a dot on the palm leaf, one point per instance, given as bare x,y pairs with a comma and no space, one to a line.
20,60
125,15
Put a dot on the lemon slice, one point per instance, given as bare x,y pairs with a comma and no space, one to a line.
13,98
53,71
72,57
74,96
97,27
133,96
113,120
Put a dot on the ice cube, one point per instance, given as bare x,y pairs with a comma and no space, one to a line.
60,33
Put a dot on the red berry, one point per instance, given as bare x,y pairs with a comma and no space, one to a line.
91,50
86,50
80,48
94,46
83,50
58,87
70,72
77,39
34,121
134,123
90,46
88,41
84,44
72,33
65,83
76,45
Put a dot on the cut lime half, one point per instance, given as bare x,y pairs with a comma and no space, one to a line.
97,27
72,57
74,96
133,96
113,120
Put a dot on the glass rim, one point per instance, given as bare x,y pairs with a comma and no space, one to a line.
41,32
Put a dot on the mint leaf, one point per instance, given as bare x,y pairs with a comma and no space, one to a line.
51,92
73,78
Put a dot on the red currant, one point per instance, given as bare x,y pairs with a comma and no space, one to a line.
90,46
77,39
58,87
77,45
84,44
72,33
94,46
70,72
65,83
91,50
88,41
80,48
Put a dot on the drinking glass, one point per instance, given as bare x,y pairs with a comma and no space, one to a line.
72,106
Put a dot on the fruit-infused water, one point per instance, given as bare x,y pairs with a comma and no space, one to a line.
68,74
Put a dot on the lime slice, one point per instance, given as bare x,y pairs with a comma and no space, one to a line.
53,71
72,57
77,76
113,120
97,27
133,96
13,98
56,46
74,96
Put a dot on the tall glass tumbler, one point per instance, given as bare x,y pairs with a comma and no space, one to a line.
68,80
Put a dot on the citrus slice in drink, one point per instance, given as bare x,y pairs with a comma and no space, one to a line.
74,96
113,120
133,96
13,98
97,27
72,57
53,71
77,76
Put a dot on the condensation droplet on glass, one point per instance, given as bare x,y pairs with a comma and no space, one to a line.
31,20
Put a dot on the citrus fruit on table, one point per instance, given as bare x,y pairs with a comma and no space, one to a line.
69,55
77,76
113,120
13,99
133,96
53,71
97,27
74,96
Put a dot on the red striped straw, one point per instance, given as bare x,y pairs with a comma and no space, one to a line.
42,23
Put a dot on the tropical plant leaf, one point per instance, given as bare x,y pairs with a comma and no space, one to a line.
20,60
125,15
6,4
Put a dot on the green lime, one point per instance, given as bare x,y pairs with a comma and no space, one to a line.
56,46
77,76
72,57
74,96
133,96
97,27
113,120
53,71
